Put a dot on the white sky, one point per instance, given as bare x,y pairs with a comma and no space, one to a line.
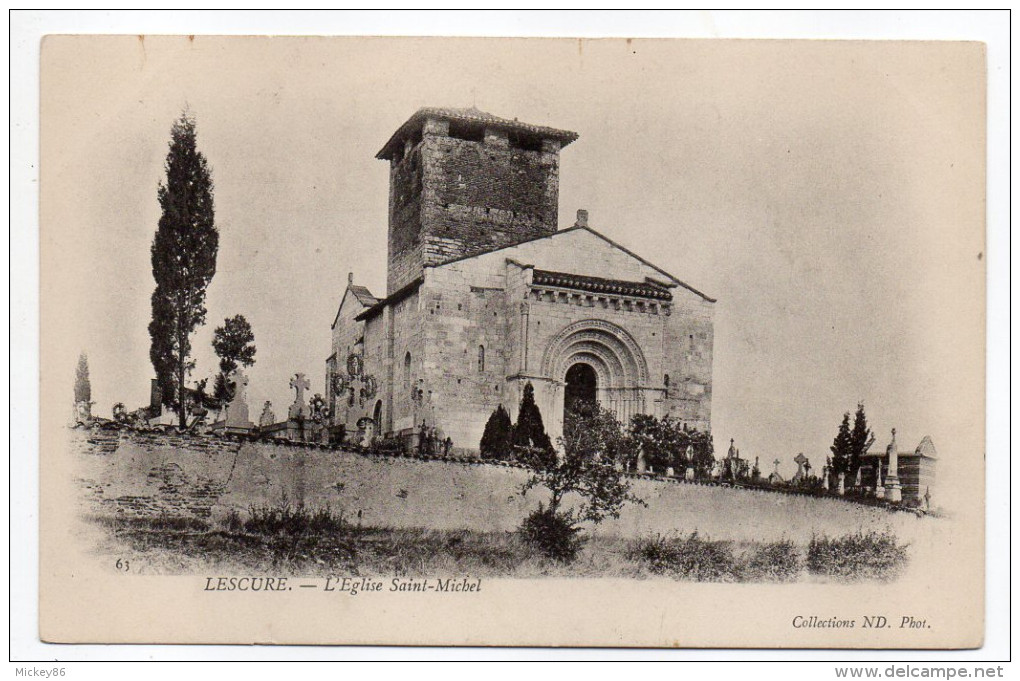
828,194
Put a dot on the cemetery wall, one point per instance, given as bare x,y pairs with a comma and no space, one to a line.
152,474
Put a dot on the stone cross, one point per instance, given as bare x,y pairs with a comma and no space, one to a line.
300,384
776,464
800,460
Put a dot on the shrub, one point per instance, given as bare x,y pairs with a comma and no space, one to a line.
777,561
553,533
391,446
874,555
495,442
693,557
284,520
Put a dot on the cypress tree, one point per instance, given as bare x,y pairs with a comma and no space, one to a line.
82,384
183,262
529,431
495,442
861,439
841,447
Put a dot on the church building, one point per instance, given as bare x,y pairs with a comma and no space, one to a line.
484,294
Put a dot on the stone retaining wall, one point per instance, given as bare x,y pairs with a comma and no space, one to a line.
152,474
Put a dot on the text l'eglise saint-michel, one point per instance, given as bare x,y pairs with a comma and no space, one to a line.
347,585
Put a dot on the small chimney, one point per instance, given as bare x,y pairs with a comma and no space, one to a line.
350,278
582,218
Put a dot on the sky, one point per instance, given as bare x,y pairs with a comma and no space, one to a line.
828,194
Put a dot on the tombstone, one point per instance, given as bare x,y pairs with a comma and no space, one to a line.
879,487
367,428
825,477
893,492
801,473
267,418
670,472
689,475
857,480
841,488
927,499
641,465
237,410
732,453
299,410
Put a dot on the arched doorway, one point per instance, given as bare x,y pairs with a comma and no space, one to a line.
582,387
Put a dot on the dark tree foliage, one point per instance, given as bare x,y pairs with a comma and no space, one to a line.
704,453
529,431
665,442
861,439
223,390
495,442
82,384
183,262
234,344
841,447
590,465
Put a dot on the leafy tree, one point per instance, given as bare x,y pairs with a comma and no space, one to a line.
594,447
234,344
841,447
495,442
704,451
529,437
664,441
82,384
223,390
861,439
183,262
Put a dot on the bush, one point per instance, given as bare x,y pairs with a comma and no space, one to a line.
389,446
692,557
495,442
283,520
777,561
554,534
875,555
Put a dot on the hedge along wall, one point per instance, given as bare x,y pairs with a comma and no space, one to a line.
152,474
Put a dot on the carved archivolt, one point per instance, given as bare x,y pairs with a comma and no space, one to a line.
611,350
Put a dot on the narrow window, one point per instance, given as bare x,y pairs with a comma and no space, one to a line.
665,380
407,370
481,358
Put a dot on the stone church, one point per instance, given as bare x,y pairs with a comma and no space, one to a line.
485,294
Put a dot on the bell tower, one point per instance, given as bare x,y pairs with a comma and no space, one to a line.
464,182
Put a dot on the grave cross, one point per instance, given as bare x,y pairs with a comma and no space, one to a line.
298,410
776,464
801,460
301,384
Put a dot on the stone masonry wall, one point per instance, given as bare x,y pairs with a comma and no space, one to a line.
453,197
153,475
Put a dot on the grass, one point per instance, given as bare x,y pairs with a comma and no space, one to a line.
318,542
858,556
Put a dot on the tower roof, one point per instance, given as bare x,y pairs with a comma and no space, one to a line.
471,115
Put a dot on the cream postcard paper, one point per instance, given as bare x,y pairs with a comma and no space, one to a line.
543,342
